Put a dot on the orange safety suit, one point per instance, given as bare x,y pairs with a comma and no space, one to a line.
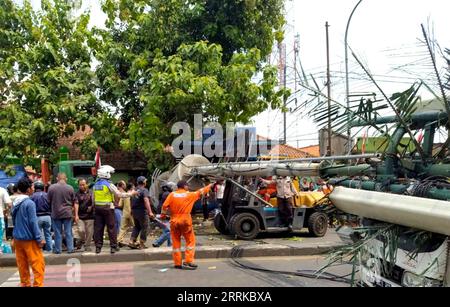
180,205
29,253
327,189
269,191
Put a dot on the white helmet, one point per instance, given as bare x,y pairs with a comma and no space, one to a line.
172,186
105,171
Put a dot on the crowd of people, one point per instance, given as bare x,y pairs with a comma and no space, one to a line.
71,221
61,219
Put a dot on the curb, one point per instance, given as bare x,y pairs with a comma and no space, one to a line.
165,253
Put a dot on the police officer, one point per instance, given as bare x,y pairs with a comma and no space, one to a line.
103,199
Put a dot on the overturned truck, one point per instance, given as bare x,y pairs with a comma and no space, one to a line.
403,204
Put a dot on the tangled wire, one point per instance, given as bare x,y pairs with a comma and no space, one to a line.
423,188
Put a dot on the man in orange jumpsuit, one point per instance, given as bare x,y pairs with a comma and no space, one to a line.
179,204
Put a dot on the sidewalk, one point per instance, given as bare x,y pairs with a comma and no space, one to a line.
210,244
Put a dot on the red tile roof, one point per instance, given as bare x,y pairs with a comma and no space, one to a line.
313,151
286,152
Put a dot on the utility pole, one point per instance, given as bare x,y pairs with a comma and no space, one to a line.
285,107
347,89
296,56
296,50
283,72
329,90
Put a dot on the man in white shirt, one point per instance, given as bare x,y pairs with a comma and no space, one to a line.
5,204
285,198
220,189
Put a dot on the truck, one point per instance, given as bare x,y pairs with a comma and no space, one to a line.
75,169
407,191
410,262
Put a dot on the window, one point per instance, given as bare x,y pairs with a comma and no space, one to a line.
82,171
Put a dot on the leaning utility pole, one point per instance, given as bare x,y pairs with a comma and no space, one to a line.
329,91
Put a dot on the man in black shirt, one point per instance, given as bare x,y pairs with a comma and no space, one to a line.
141,211
85,225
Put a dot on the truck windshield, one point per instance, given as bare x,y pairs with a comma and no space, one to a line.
418,241
82,171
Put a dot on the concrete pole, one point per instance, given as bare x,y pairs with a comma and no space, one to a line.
329,90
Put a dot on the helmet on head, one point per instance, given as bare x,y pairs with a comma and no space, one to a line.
39,185
105,172
169,186
12,188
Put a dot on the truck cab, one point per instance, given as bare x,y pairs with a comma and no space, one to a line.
75,169
414,259
413,266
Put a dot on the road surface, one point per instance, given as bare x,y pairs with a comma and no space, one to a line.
211,273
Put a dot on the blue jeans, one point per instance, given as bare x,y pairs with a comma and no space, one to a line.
58,225
164,237
118,217
45,225
2,231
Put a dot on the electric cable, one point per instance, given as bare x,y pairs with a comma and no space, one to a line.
235,251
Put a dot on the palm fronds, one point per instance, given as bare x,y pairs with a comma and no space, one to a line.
438,76
407,102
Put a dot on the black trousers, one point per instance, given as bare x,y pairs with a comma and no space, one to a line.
205,209
140,228
104,216
285,209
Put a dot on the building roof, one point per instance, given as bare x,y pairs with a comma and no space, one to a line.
313,151
285,152
262,138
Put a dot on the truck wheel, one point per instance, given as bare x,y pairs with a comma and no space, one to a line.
220,225
318,224
245,226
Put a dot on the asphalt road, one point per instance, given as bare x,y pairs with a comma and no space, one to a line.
211,273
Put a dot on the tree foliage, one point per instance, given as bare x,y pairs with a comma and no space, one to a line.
196,81
46,76
155,63
163,61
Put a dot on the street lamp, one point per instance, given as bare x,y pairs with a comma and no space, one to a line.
347,90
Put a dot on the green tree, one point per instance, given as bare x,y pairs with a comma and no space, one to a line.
162,61
47,87
195,81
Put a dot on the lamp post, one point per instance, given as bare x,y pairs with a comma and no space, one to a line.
347,90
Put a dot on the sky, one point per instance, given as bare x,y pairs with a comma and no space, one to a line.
383,33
